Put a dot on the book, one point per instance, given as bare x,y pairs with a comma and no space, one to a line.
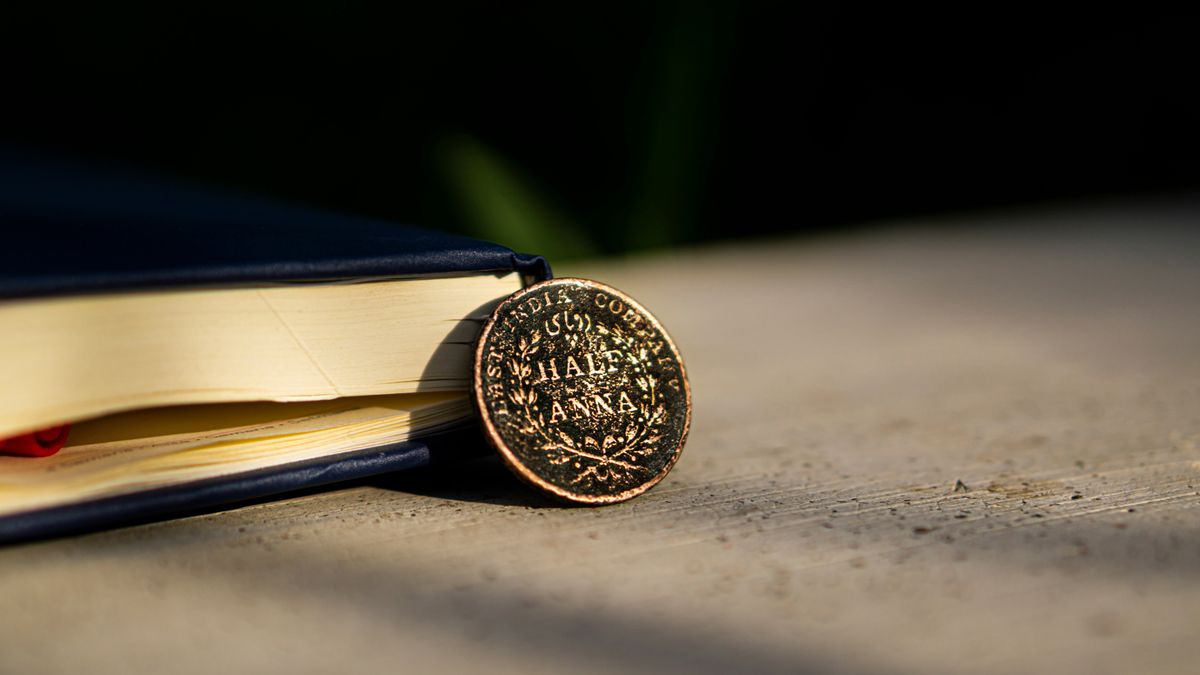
206,347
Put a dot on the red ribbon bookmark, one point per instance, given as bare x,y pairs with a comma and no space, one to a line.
38,444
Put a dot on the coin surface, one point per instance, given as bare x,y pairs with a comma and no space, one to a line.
581,391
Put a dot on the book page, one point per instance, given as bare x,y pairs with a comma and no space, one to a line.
156,448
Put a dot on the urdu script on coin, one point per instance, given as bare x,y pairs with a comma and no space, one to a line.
581,391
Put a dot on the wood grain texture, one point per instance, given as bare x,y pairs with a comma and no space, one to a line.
916,450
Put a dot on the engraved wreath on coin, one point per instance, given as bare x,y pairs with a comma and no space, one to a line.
612,457
582,391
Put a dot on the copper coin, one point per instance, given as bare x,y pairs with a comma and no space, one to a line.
581,391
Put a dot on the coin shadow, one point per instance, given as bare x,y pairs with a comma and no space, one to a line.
450,349
483,480
470,471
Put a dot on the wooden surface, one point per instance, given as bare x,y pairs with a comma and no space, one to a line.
1049,361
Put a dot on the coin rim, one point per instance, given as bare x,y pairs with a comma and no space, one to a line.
510,459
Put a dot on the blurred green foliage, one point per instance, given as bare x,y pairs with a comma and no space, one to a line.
667,146
500,204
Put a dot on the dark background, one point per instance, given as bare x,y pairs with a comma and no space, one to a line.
573,130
